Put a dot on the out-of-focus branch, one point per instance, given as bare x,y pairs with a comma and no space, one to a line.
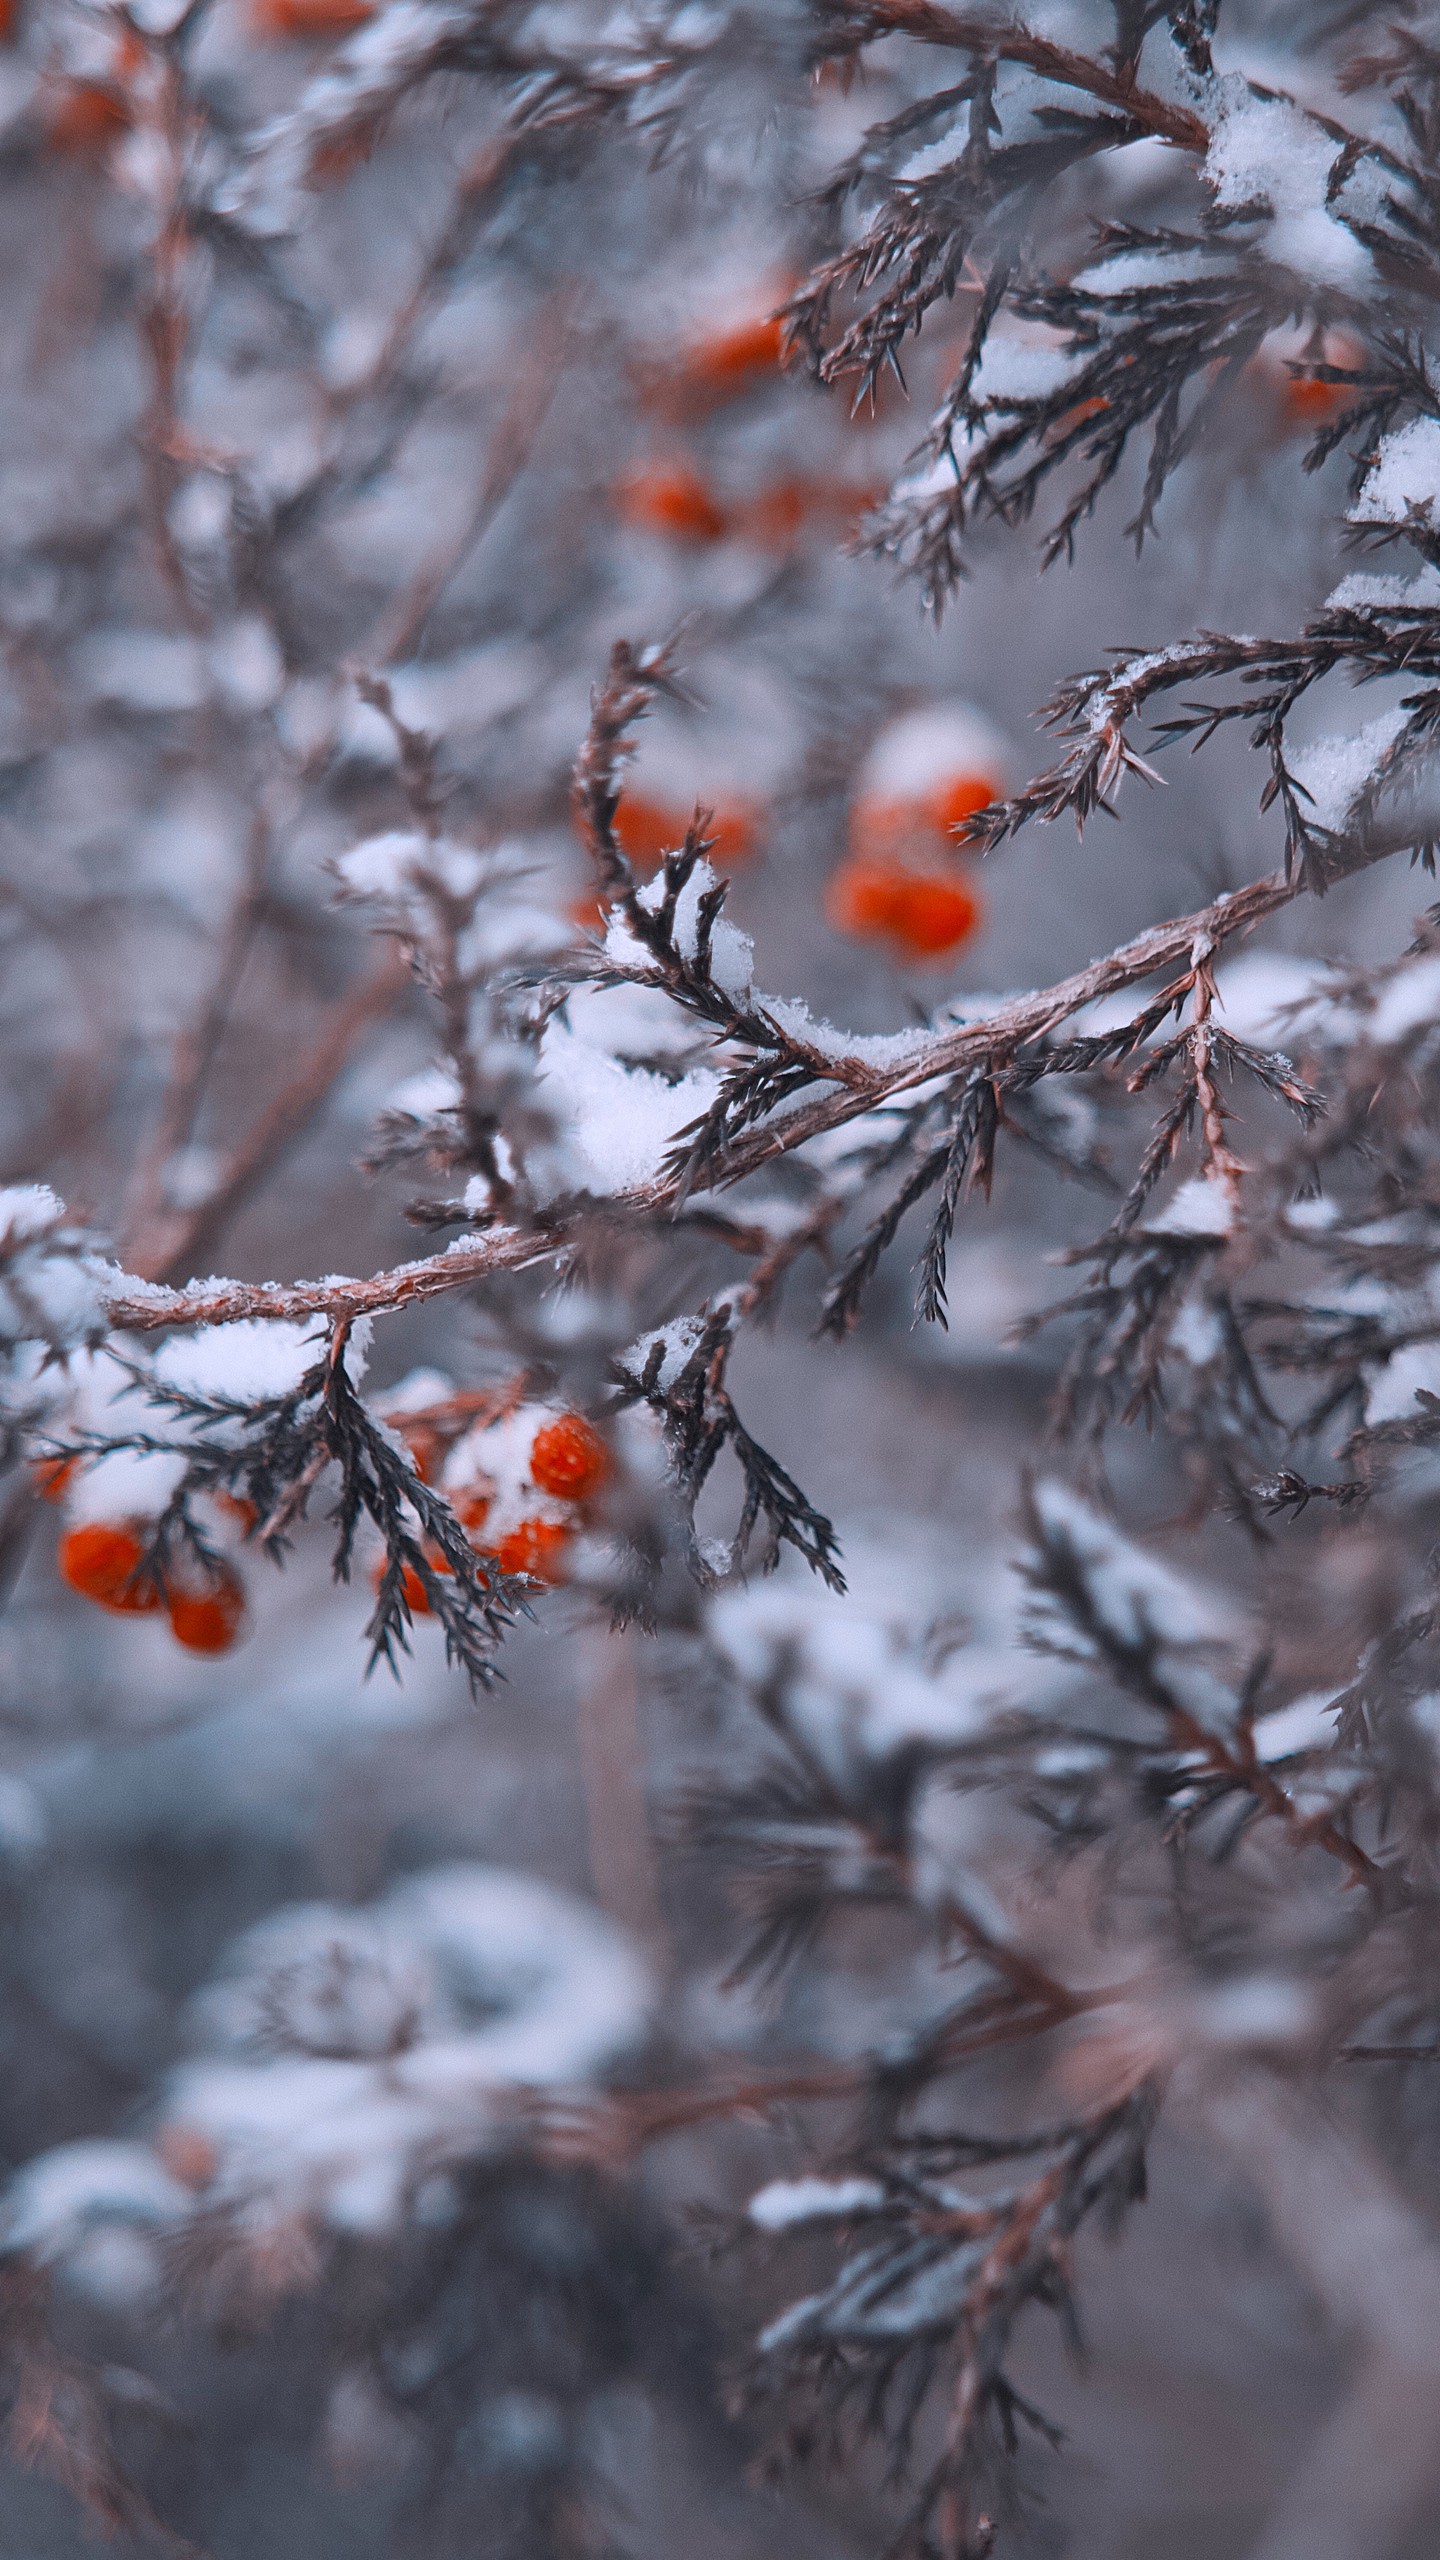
481,181
193,1055
537,378
282,1123
1375,2266
166,114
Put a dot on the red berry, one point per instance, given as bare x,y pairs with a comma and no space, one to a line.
960,799
536,1547
676,502
569,1458
209,1619
282,19
472,1510
417,1598
734,358
649,829
53,1476
880,829
924,913
101,1559
85,116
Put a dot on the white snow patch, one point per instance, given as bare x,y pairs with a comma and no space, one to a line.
1013,368
247,1360
851,1689
1394,1387
463,1984
151,671
1137,1601
1307,1724
1409,1002
1370,587
51,2200
1335,772
788,2201
1266,149
1257,989
924,750
1204,1206
1404,479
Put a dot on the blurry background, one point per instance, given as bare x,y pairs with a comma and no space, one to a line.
465,418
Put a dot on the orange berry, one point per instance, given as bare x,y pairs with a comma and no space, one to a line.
924,914
423,1442
733,359
675,502
101,1560
957,800
243,1513
209,1619
649,829
881,829
52,1476
569,1458
472,1510
934,915
1313,404
536,1547
85,116
417,1598
285,20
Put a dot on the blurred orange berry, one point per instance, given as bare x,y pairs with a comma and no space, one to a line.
882,828
424,1444
286,20
649,829
717,365
472,1510
536,1547
790,507
923,914
676,502
960,799
568,1458
1081,414
84,116
417,1598
209,1618
101,1559
733,359
1309,403
52,1476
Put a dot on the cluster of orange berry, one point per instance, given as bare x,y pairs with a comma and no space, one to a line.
672,497
519,1481
903,882
104,1560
